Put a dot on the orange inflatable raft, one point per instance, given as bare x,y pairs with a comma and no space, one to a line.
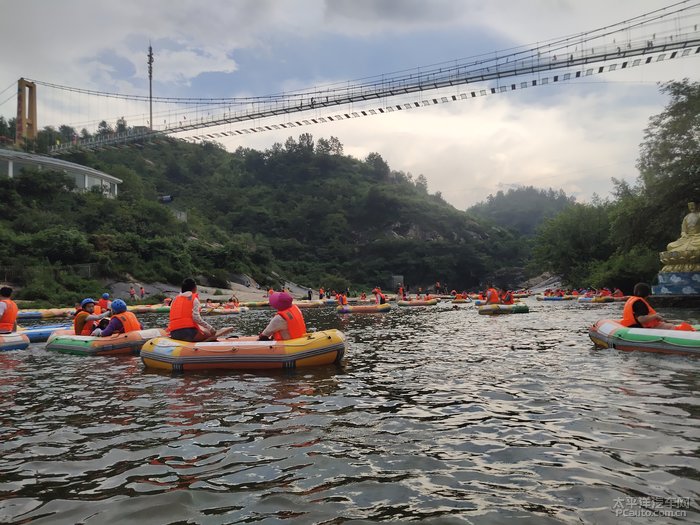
314,349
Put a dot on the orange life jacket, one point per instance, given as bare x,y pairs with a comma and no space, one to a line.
181,313
103,304
628,314
129,321
342,299
295,323
508,298
87,327
493,297
7,322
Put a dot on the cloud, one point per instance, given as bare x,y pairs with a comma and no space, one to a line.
574,136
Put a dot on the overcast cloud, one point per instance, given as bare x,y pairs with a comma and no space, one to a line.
574,136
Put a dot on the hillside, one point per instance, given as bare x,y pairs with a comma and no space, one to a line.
301,211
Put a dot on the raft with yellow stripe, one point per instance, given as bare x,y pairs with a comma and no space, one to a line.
245,353
363,308
498,309
117,344
418,302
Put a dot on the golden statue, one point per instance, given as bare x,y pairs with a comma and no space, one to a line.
683,254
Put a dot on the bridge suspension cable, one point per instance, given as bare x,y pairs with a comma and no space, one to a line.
663,34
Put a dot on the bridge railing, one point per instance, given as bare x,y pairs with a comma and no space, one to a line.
568,54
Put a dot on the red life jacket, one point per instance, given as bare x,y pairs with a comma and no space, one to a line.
103,304
8,319
295,323
628,314
181,313
129,322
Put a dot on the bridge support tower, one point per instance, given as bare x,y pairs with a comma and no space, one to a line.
26,112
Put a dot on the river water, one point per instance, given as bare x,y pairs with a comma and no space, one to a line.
436,416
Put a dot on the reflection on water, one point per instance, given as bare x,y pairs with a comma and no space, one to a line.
438,415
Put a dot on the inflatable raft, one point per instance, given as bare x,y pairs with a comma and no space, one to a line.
555,297
13,341
118,344
418,302
40,334
314,349
363,308
497,309
149,308
223,311
609,333
45,313
596,300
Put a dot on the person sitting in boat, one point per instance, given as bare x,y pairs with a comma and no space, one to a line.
167,301
507,298
122,321
287,323
638,313
605,292
342,299
379,297
492,295
104,302
618,293
233,302
87,319
8,311
186,323
363,296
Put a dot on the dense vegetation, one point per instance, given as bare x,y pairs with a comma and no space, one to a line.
304,211
619,241
301,211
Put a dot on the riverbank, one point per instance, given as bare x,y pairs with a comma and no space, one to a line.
244,293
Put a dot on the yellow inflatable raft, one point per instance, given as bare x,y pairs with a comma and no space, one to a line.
314,349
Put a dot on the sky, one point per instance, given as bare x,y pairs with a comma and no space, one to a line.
575,136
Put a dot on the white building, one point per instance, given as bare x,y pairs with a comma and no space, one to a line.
12,162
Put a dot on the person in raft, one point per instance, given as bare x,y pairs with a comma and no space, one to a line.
288,322
104,303
121,322
186,323
379,297
492,295
638,313
87,319
8,311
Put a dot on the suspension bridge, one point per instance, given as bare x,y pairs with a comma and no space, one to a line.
666,34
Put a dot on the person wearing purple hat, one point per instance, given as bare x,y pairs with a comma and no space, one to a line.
288,322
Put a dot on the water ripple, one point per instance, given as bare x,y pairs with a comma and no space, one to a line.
438,415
